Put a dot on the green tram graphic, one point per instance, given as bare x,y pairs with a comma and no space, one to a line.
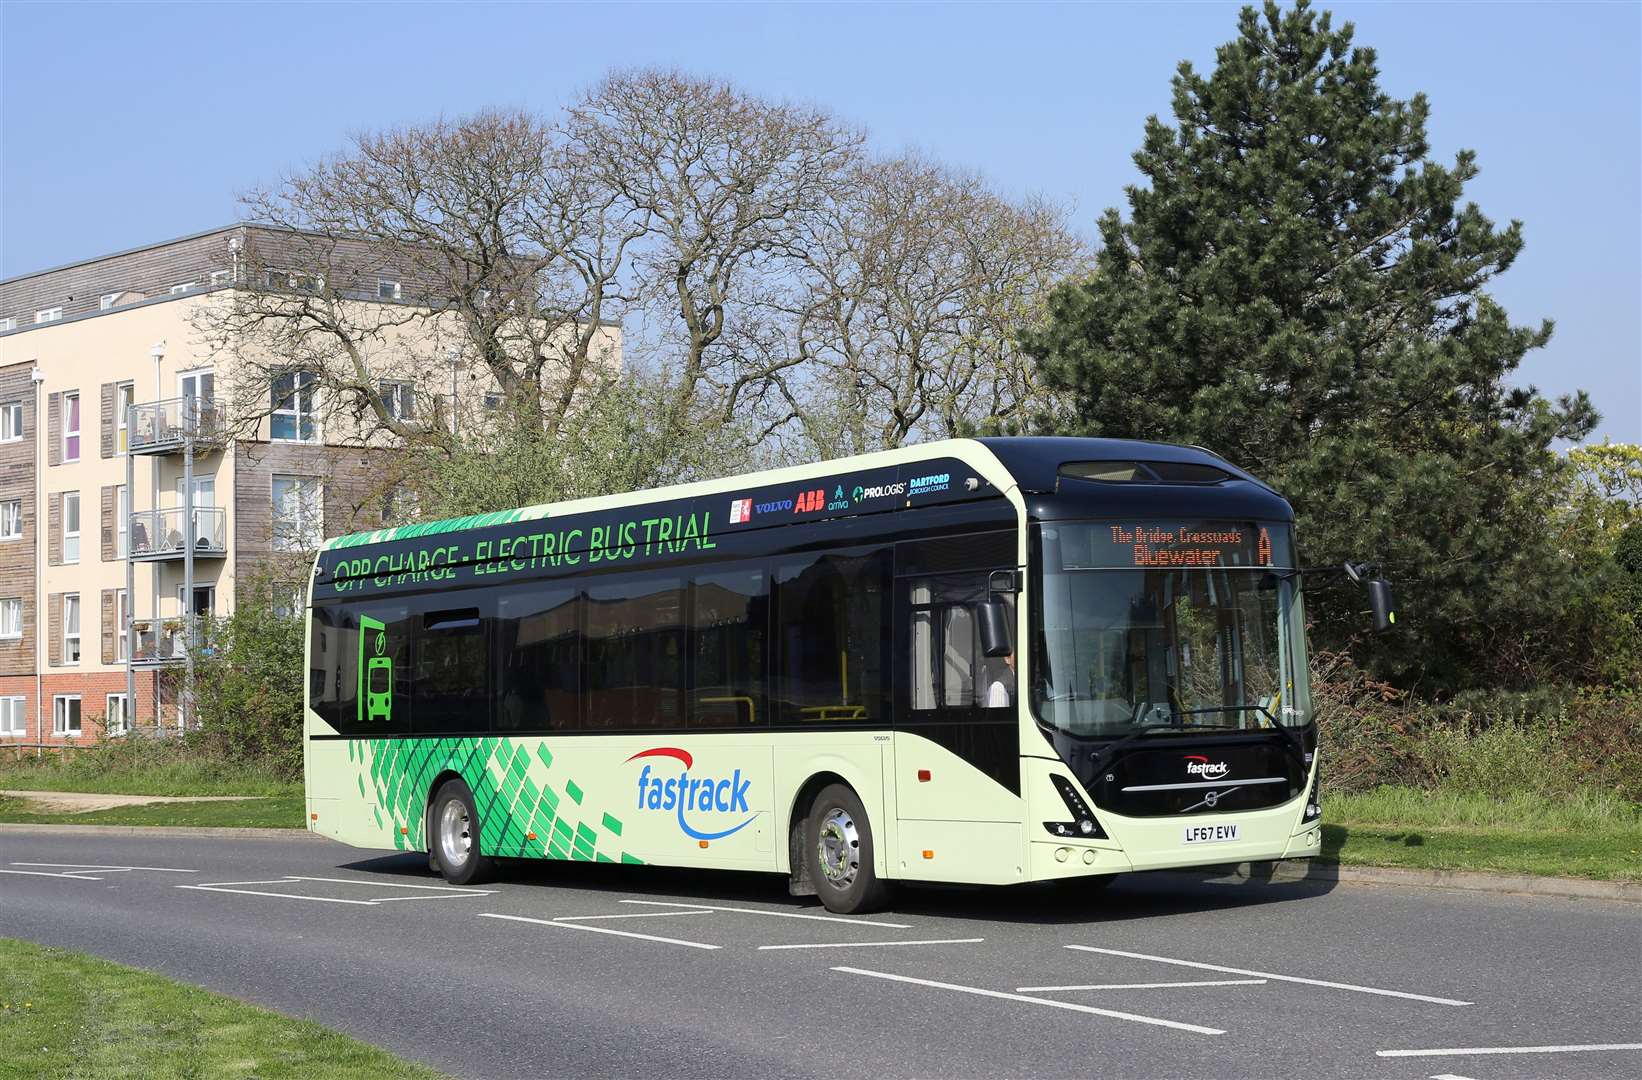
375,672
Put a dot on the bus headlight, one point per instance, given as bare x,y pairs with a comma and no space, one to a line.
1083,823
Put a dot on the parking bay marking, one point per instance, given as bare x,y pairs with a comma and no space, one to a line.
1137,986
777,914
871,944
448,892
1269,975
568,925
1051,1003
1467,1051
96,866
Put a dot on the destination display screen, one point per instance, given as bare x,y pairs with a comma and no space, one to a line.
1169,545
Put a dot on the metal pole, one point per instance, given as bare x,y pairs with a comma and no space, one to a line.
130,571
190,631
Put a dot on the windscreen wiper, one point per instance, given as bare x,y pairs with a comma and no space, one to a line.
1289,736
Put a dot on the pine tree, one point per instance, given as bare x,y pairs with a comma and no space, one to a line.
1298,286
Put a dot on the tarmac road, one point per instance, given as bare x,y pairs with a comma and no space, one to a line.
579,970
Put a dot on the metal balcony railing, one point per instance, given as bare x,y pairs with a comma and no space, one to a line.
163,427
155,642
161,534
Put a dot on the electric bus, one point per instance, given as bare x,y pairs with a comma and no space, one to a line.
984,661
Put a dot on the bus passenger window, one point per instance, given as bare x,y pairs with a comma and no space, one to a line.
729,615
947,666
452,688
635,653
832,639
539,647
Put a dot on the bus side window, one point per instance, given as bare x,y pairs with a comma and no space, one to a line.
452,664
729,621
635,652
832,639
538,632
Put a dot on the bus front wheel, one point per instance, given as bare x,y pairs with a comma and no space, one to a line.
838,848
454,836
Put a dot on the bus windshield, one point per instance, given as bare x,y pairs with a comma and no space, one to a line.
1165,624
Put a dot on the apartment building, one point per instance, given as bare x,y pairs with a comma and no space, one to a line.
129,510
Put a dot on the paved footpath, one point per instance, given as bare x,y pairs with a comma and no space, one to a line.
576,970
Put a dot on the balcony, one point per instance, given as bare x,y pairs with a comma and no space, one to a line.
159,642
167,427
159,534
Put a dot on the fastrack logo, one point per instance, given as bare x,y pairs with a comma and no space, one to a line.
1198,765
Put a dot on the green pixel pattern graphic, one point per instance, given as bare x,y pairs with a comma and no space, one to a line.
511,805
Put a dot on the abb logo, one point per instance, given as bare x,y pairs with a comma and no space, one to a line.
808,501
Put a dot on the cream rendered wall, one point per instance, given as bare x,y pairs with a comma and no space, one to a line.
83,355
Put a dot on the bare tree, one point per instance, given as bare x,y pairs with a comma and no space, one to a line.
725,182
913,286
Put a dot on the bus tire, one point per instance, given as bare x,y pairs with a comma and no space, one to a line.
453,836
838,849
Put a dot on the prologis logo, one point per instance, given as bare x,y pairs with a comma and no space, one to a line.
1198,765
697,794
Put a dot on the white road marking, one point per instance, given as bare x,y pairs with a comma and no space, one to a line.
631,915
1450,1076
1269,975
599,930
1137,986
93,866
281,895
47,873
1467,1051
448,892
1003,995
874,944
778,914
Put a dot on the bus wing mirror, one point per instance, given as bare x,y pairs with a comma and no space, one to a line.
994,620
1372,578
1379,599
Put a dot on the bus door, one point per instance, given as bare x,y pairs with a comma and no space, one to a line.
957,744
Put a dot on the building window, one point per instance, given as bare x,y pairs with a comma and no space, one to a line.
122,625
122,415
221,277
122,518
290,279
71,527
107,301
493,401
71,628
8,323
183,286
116,718
71,427
290,599
11,617
47,315
292,398
65,714
299,516
13,718
11,519
399,397
11,421
386,289
400,506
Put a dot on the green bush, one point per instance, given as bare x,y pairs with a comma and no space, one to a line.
248,689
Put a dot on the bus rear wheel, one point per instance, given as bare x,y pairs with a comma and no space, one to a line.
453,836
839,849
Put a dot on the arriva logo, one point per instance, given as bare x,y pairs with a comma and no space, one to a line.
697,794
1198,765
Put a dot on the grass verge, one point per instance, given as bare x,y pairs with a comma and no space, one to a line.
67,1014
1589,834
136,767
277,812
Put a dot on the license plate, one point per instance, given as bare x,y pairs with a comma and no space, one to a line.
1210,834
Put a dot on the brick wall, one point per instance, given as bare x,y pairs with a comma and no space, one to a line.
93,689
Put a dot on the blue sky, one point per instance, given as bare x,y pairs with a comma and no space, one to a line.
123,124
